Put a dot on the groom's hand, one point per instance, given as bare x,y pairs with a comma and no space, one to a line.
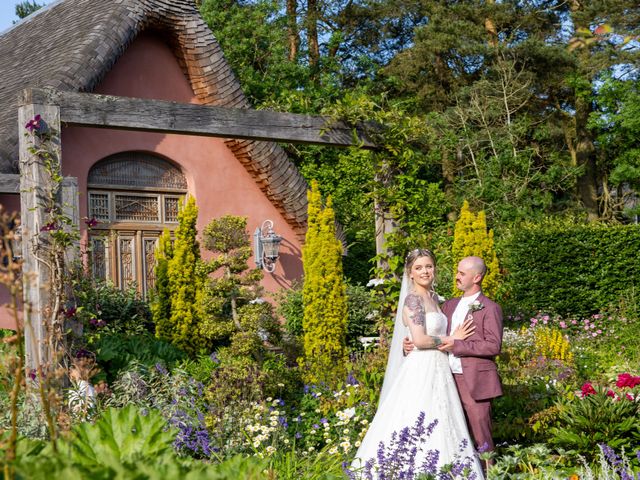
407,346
446,345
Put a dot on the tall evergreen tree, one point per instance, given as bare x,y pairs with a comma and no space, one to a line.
324,295
161,296
186,283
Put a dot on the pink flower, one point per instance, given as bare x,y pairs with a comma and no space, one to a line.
594,334
611,393
627,380
563,325
574,322
587,389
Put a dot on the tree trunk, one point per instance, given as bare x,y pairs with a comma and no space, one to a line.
292,29
586,157
490,27
585,152
312,33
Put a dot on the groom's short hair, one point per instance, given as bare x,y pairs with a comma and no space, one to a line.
478,265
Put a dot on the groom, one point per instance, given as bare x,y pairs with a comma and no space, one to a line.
472,360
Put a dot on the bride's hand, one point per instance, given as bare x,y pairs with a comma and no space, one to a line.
464,331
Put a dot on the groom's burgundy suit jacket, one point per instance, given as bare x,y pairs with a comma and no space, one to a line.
477,353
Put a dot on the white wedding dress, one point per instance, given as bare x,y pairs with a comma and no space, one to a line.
424,383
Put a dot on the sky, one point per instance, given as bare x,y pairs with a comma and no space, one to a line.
8,12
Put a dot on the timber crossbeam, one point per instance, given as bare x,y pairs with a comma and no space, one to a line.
124,113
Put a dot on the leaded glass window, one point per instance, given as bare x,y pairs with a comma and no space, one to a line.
134,196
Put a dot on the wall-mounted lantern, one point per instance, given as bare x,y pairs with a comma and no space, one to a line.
266,245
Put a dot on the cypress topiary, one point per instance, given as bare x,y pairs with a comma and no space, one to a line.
324,295
186,283
472,238
161,295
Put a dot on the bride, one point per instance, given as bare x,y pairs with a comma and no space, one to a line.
419,387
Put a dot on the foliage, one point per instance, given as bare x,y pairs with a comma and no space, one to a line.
531,383
471,238
235,312
323,294
160,302
186,284
26,8
569,268
598,416
360,312
616,120
538,461
115,352
124,443
103,308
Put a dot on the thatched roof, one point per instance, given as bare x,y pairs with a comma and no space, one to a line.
72,44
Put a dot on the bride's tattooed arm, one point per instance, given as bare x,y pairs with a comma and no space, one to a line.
415,311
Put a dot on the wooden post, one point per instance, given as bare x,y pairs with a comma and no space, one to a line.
35,181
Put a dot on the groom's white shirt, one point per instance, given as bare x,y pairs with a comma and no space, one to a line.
458,319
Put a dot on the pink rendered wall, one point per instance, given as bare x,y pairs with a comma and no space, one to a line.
219,182
10,203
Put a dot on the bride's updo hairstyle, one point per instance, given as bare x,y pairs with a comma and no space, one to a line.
415,254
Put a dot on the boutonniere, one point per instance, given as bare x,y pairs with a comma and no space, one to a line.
440,298
475,306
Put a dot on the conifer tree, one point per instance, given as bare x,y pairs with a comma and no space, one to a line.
186,283
324,295
472,238
161,296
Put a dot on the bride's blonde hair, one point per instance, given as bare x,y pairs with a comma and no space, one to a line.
415,254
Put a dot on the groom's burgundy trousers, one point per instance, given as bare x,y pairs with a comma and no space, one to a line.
478,415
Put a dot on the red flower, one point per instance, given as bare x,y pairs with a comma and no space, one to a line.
627,380
611,394
587,389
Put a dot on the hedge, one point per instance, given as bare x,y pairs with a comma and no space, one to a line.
570,269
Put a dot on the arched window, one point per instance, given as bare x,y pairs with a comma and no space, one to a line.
134,196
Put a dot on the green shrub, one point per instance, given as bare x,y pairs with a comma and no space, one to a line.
570,268
116,352
102,307
598,416
360,311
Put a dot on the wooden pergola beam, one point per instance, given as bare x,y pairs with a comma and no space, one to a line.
124,113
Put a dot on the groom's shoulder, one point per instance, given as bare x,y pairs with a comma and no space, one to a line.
490,303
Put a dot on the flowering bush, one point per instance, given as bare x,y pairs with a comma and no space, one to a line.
596,415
